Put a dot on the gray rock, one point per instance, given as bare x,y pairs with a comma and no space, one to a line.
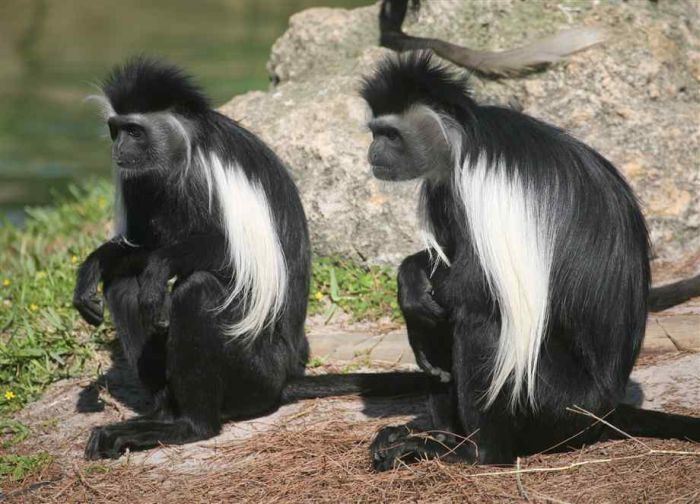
636,99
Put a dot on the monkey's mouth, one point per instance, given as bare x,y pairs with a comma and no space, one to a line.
383,172
129,171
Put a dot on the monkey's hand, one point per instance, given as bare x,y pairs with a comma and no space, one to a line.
153,283
106,261
428,367
423,314
416,292
86,299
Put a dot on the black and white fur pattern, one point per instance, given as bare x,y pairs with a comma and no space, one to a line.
536,265
215,209
260,280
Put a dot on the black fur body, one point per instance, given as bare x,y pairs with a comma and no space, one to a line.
597,295
175,338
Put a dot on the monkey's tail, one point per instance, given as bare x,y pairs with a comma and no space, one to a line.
512,62
364,384
655,424
666,296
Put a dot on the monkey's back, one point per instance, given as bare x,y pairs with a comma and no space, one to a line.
600,276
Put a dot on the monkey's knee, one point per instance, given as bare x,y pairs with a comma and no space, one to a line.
199,290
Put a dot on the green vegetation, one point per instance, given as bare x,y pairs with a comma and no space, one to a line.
18,467
12,432
364,292
42,338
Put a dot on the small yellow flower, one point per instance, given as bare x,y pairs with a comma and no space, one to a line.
41,274
33,307
101,202
9,395
318,296
73,259
7,282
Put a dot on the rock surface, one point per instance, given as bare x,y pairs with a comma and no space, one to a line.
636,99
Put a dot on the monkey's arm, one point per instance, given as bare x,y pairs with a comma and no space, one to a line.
113,258
206,252
422,313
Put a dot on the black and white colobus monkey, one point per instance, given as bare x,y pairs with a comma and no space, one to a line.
202,200
531,295
512,62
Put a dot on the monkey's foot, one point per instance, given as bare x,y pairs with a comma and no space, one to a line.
104,443
394,446
111,441
397,445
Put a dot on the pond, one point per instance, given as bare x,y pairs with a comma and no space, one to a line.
53,52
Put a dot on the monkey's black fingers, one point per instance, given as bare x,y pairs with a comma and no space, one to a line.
383,446
432,307
100,445
423,308
428,367
438,373
397,446
152,306
91,308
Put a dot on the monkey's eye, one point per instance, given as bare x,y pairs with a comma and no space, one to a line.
133,130
392,134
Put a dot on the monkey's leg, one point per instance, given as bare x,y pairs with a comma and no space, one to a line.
196,370
146,353
492,429
483,436
428,332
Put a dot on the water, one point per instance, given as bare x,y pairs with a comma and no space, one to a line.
52,52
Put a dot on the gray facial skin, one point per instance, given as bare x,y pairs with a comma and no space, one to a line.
145,142
409,146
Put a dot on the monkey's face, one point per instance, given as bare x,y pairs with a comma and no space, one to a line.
409,146
142,143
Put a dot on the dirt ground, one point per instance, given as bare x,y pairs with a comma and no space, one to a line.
316,451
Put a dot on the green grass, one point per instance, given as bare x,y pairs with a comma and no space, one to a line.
364,292
42,338
18,467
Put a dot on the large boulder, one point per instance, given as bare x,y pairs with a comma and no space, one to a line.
636,99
